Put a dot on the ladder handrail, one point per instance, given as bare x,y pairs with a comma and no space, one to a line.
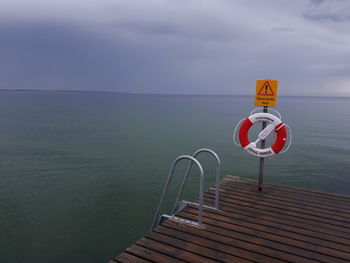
201,188
217,174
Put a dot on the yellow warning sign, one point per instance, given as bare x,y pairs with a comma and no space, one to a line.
266,93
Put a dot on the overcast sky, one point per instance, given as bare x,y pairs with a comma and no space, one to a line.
176,46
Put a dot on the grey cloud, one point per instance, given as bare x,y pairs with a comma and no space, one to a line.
282,29
54,56
317,2
57,56
51,56
222,50
149,28
194,29
331,10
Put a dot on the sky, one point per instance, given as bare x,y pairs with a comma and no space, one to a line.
176,46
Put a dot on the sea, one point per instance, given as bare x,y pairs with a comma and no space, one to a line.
81,173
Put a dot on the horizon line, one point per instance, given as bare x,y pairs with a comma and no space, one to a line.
163,94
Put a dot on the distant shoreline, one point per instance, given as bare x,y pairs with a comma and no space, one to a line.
162,94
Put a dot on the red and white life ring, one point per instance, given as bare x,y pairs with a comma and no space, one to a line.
276,124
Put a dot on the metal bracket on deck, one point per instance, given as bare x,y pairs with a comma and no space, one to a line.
180,219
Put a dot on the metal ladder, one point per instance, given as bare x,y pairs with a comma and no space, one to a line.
178,205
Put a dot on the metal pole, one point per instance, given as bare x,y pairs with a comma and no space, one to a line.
261,161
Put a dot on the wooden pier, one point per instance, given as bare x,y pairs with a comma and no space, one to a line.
280,224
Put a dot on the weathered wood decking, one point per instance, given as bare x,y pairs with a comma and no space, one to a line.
280,224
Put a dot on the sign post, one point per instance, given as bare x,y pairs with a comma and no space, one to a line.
266,94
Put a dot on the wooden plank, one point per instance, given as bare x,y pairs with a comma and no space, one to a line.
175,249
298,196
280,229
213,241
264,199
251,250
259,234
210,254
128,258
234,189
151,254
330,196
280,224
267,202
298,231
279,218
329,223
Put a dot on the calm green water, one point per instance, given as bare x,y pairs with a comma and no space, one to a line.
81,172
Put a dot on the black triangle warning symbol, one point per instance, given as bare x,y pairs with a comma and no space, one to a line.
266,90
